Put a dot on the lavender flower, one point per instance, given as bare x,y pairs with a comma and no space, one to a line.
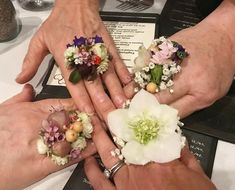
74,153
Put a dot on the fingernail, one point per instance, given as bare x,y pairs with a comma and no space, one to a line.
89,110
18,76
129,78
119,101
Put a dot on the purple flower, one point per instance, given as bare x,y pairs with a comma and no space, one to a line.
79,41
74,153
98,39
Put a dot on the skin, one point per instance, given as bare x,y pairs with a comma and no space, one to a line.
200,84
21,119
79,18
208,72
184,173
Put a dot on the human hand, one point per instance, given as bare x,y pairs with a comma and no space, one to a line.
184,173
206,74
81,18
21,164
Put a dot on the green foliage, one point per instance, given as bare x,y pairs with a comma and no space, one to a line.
156,74
75,76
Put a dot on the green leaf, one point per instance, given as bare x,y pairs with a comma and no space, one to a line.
156,74
75,76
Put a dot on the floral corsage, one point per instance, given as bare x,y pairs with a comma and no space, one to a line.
64,135
87,58
156,66
146,131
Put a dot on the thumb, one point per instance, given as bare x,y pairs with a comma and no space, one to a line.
26,95
36,52
188,159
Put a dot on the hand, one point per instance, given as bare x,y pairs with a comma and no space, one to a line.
208,72
184,173
81,18
21,164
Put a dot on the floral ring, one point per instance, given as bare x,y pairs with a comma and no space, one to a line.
155,67
109,173
64,135
87,58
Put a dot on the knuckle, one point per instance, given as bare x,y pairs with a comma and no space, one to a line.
207,99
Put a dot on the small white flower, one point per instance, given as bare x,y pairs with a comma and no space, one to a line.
178,68
117,151
121,157
113,153
149,130
79,143
172,64
138,74
151,65
173,70
166,71
78,61
164,77
146,69
165,66
162,86
170,83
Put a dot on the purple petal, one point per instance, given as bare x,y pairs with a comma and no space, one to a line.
75,153
79,41
61,137
98,39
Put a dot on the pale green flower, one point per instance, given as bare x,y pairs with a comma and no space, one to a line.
41,146
100,50
87,126
79,143
143,58
149,129
60,161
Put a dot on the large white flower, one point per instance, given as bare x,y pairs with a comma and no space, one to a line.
149,129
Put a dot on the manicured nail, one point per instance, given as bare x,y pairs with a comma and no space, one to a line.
89,110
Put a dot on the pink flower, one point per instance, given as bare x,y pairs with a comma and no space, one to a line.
166,51
52,134
167,48
159,58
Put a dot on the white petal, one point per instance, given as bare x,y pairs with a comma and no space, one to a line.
143,101
164,149
167,116
118,124
133,153
41,146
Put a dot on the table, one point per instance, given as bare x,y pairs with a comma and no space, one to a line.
11,57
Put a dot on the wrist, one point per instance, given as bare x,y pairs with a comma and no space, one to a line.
91,4
222,20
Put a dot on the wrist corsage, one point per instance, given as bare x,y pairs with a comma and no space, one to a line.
156,66
64,135
86,58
